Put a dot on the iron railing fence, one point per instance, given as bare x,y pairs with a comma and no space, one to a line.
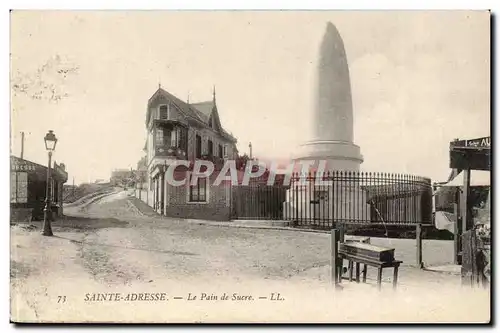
320,200
258,201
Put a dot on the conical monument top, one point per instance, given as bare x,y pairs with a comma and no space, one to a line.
332,117
333,104
331,28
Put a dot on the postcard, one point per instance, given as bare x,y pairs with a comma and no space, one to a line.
250,166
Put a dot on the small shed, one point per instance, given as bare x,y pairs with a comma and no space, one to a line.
28,184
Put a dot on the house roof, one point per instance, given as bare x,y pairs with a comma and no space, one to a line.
204,109
197,111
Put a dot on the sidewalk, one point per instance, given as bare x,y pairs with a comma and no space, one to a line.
146,210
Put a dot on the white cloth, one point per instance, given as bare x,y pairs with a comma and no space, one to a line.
444,221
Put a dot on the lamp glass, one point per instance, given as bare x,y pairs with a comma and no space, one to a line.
50,141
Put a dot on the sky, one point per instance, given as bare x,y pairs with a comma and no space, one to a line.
418,80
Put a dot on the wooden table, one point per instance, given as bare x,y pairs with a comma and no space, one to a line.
370,262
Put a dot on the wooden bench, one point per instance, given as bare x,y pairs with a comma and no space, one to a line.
380,265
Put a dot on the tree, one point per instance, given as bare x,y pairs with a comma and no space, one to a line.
241,161
46,83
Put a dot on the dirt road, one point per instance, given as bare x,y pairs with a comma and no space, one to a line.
110,246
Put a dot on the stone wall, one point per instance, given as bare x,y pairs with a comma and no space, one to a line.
20,214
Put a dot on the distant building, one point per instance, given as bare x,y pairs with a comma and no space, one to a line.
120,177
179,130
28,183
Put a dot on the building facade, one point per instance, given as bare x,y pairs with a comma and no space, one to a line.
28,184
177,130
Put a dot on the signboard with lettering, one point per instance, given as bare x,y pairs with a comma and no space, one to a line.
16,165
472,154
479,143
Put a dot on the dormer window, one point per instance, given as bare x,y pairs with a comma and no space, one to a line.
165,112
211,122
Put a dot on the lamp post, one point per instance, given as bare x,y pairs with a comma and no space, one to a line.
50,145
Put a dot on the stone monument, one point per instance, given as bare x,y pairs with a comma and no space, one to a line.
331,140
332,126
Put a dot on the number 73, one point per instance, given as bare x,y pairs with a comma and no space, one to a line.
61,299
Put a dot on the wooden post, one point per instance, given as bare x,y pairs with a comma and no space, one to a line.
334,264
465,212
395,277
22,145
419,245
456,235
379,278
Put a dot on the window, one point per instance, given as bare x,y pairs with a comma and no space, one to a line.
159,137
221,152
210,148
225,151
198,146
151,148
174,142
165,112
198,192
18,187
211,122
183,139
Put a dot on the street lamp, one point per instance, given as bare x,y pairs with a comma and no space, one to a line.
50,145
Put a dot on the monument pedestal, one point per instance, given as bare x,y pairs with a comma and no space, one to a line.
329,201
339,155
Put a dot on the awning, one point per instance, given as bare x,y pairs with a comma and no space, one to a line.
477,178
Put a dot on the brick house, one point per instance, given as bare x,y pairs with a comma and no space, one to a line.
177,130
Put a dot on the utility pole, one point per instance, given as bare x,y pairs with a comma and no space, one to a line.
22,145
250,148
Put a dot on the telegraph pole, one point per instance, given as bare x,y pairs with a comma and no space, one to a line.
22,145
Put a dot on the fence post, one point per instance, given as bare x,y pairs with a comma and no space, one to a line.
341,232
296,217
418,237
334,248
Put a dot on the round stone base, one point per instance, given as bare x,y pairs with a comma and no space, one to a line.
339,155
